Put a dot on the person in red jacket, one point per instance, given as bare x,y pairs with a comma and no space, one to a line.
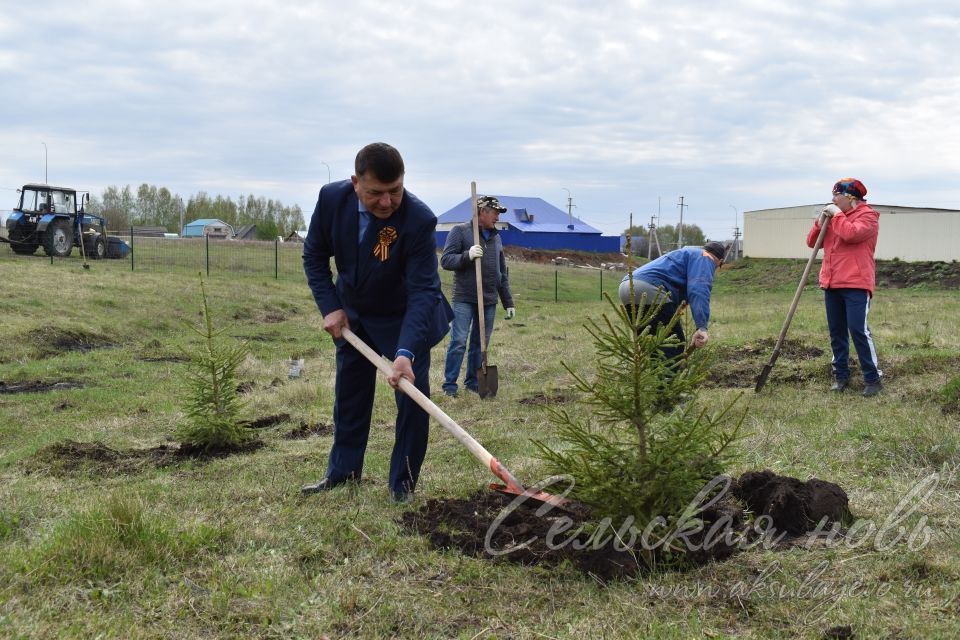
847,277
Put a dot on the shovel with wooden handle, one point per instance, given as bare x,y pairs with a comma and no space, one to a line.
511,485
487,379
762,378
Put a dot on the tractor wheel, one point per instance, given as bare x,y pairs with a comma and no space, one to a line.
20,244
99,248
59,239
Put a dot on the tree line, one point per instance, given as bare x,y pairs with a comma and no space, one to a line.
158,207
668,235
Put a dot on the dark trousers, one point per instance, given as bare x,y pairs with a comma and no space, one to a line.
663,317
847,311
352,411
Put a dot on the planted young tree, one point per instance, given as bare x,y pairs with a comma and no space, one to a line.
213,404
645,448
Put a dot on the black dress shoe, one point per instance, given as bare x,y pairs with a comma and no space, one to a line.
839,384
324,485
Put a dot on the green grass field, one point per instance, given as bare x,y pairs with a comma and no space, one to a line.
97,540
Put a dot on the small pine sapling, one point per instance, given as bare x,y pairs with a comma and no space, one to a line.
643,449
213,403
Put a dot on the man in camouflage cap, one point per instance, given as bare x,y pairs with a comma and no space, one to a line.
459,252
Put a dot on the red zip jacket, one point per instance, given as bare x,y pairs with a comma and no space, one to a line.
848,248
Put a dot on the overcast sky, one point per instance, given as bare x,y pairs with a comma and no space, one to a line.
627,104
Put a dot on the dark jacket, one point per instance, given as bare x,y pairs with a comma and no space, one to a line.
397,301
493,267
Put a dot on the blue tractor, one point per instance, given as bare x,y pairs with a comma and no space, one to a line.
48,217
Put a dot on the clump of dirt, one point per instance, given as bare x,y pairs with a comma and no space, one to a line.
307,430
164,359
545,399
794,506
69,458
738,367
266,421
37,386
53,341
493,526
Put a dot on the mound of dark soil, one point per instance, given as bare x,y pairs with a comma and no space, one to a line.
493,526
68,458
53,341
738,367
37,386
266,421
794,506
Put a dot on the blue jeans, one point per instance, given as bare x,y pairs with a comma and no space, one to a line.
465,322
847,311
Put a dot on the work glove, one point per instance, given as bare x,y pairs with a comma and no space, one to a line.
476,251
830,210
511,311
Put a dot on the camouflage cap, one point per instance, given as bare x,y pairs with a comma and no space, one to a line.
490,202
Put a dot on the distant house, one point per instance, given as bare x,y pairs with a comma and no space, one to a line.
246,232
149,232
210,227
296,236
535,224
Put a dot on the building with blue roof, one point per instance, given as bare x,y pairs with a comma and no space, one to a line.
535,224
207,227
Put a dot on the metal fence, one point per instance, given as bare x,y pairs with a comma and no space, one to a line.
284,261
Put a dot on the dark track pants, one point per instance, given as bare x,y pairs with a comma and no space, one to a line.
847,311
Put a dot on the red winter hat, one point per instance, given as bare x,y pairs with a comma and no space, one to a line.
850,186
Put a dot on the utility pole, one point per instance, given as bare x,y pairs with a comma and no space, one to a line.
45,179
680,227
736,229
569,208
653,232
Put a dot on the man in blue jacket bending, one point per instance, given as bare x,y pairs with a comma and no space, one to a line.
381,239
684,275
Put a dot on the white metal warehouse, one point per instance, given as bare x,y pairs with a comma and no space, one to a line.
911,234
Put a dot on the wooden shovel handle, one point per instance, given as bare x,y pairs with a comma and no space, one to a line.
480,311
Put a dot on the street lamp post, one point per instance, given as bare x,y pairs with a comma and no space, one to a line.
45,180
328,170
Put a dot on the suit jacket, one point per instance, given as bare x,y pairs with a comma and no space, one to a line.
397,300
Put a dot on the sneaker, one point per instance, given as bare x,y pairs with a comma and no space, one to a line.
451,392
871,389
839,384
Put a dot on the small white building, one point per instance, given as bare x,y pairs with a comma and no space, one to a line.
911,234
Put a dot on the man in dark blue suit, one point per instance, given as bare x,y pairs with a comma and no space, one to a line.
387,291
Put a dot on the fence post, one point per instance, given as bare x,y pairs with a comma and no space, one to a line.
131,247
556,285
207,245
601,283
276,258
